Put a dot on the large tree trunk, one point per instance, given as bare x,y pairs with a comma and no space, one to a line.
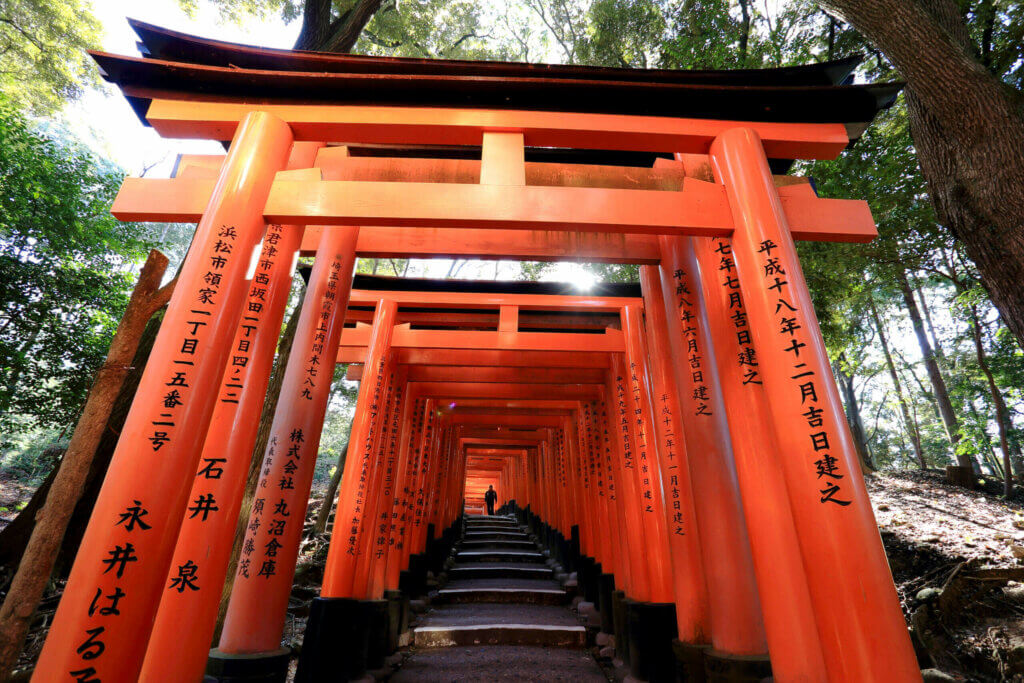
911,425
1002,415
949,419
284,348
853,417
326,33
968,128
51,522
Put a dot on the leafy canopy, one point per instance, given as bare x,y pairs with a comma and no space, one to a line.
43,62
66,270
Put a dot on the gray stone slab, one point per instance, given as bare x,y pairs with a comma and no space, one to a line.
509,663
475,615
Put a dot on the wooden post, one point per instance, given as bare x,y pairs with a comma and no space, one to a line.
52,520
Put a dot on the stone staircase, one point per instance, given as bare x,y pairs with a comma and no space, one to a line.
499,613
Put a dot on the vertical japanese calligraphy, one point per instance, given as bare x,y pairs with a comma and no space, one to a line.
160,443
256,611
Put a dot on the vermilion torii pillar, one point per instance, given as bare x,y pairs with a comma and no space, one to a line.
256,612
863,633
369,582
337,623
204,545
736,625
693,616
647,457
342,557
106,613
400,509
790,626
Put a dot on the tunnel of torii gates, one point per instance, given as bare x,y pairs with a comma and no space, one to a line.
680,444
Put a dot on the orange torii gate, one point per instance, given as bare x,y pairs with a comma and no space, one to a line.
682,445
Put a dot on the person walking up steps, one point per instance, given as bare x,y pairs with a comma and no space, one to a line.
490,497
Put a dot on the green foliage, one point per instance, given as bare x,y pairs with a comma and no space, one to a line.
624,33
337,424
430,28
42,60
30,456
66,269
705,35
997,29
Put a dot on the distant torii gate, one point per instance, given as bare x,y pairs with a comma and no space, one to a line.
687,446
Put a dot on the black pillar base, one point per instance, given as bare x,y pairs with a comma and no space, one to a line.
398,617
261,667
621,626
652,628
689,662
377,626
336,641
722,667
606,587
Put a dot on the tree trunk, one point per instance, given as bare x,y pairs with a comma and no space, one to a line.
911,425
284,347
324,32
744,31
1017,458
1002,416
67,485
853,417
968,129
949,419
940,353
322,515
989,455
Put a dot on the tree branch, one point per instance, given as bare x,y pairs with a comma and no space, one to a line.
344,36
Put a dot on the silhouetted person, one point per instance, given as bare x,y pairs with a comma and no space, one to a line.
489,498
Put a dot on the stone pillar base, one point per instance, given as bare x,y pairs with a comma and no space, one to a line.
377,628
652,628
689,662
722,667
336,641
606,587
398,617
260,667
621,626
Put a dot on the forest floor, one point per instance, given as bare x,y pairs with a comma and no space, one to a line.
957,557
14,494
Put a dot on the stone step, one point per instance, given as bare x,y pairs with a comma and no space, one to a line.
502,590
498,544
499,556
494,530
484,518
499,624
500,570
496,535
499,664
